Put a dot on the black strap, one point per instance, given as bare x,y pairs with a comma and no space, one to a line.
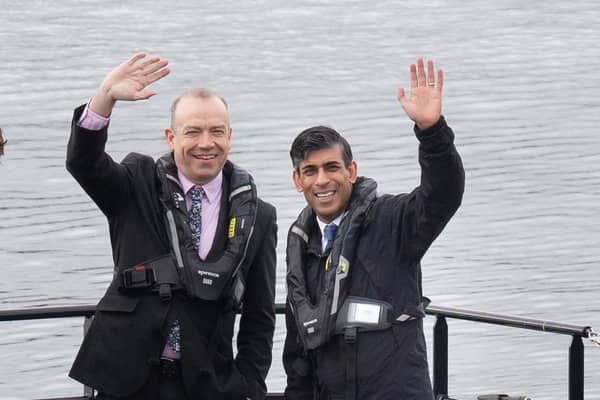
157,275
351,350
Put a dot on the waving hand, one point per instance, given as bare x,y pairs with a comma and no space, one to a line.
128,82
424,106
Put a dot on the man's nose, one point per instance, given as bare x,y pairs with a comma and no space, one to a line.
322,177
205,140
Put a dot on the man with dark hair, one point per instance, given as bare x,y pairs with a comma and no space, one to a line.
355,304
192,244
2,143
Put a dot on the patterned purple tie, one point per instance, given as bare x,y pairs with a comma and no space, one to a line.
196,193
174,340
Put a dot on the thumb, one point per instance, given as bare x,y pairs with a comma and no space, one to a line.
401,96
145,94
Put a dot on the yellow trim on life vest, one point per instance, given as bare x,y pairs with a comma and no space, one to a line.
327,262
232,222
344,265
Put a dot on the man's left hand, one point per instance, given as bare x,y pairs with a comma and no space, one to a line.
424,106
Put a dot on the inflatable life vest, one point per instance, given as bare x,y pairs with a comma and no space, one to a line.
316,321
182,268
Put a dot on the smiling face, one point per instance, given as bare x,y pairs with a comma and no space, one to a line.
326,181
200,137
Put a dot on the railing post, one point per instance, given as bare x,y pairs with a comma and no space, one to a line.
440,356
576,369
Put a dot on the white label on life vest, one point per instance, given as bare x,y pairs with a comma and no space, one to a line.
208,273
365,313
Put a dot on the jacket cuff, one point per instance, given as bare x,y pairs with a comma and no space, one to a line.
91,120
436,138
83,142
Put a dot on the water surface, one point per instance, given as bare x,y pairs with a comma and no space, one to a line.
521,93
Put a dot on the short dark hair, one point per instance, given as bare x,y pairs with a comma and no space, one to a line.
318,138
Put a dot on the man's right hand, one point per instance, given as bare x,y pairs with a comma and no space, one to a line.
128,82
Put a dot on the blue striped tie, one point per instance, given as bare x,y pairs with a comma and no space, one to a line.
330,232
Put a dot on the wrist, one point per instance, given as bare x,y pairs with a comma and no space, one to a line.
426,124
102,103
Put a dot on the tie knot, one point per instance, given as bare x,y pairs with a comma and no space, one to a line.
196,193
330,231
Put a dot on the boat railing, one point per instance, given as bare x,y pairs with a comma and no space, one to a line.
440,339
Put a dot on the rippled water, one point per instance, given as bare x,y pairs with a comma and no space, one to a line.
521,93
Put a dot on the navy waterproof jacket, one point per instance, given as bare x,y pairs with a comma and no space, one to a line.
392,364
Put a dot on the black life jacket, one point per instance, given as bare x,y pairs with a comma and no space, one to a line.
316,322
220,278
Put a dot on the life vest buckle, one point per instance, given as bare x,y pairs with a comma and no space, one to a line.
138,277
164,291
350,335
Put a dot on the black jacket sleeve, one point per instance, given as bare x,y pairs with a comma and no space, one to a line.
257,323
296,364
103,179
431,205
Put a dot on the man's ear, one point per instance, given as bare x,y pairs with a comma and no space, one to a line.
353,171
296,178
169,134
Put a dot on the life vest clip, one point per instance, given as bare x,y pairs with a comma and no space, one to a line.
138,277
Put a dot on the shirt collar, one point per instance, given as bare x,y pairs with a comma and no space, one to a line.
336,221
212,189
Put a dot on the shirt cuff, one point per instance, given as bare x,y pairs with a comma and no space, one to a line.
91,120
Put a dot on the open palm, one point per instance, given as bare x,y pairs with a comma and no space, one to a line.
129,80
424,106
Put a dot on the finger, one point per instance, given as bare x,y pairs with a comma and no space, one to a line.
413,76
149,62
158,75
440,79
145,94
136,57
152,68
420,72
430,74
400,95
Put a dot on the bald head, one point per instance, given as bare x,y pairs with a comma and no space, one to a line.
199,93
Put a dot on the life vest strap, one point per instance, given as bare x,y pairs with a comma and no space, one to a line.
359,314
350,350
366,314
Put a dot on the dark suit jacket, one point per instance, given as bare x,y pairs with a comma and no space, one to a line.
128,331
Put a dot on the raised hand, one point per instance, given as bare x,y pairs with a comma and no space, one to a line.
128,82
424,106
